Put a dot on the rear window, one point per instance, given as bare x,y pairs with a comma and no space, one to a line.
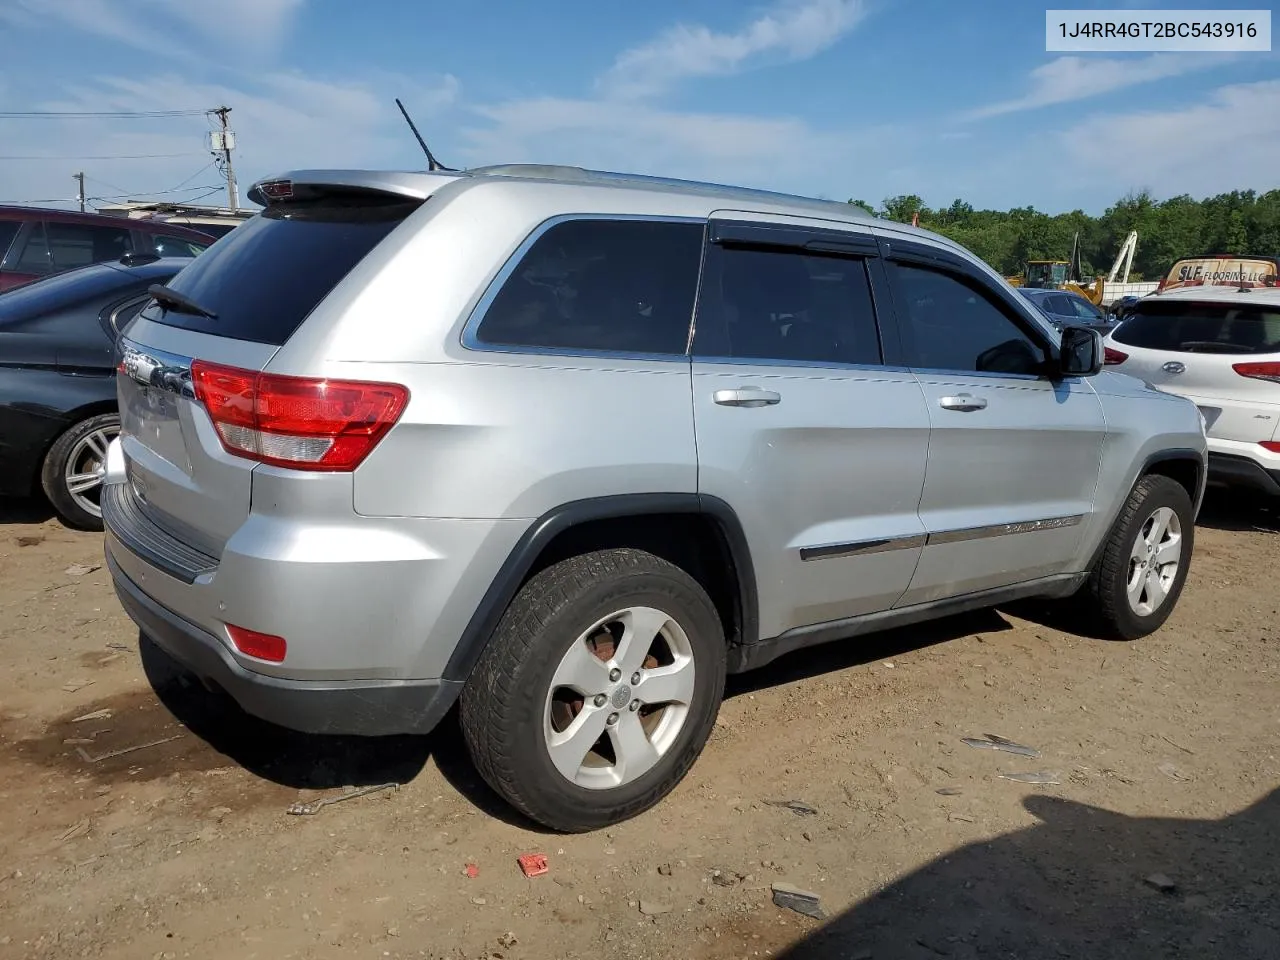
267,275
1190,327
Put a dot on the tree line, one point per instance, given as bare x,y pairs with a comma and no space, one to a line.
1240,222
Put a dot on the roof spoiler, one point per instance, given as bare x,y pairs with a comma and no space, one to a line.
306,184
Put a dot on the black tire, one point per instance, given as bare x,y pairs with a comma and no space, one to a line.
53,472
1115,616
503,702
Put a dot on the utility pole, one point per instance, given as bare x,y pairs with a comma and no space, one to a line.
80,176
224,144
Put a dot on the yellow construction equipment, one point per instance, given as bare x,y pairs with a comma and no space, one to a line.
1066,274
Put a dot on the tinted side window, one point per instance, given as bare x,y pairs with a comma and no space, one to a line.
950,324
78,245
167,246
778,305
8,230
615,285
35,254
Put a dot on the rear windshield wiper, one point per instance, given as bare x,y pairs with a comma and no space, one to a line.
173,300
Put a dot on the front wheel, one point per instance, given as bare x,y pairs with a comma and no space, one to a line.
598,689
1140,574
74,470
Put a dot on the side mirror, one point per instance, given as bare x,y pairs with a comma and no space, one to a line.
1082,352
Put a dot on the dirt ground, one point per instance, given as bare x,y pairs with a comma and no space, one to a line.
1165,749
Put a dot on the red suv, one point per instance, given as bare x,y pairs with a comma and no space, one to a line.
35,243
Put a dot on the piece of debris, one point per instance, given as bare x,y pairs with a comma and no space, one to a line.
949,792
75,831
217,813
479,901
72,741
1173,773
71,686
30,541
315,806
1172,743
533,864
726,878
507,940
471,870
664,870
103,714
84,754
1041,778
652,908
80,569
960,818
798,807
801,901
990,741
1159,881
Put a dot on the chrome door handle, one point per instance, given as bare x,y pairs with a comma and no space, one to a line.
746,397
964,402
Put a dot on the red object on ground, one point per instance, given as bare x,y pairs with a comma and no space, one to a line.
472,870
533,864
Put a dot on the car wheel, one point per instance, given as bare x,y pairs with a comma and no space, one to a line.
598,689
1139,576
74,469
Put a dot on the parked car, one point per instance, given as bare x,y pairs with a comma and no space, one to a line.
1121,308
35,242
1065,308
1220,347
381,454
57,384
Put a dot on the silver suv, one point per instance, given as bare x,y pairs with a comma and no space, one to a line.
567,447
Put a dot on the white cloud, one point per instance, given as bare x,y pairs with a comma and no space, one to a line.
791,30
1067,79
1227,141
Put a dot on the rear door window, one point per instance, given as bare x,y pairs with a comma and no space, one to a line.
74,245
264,278
617,286
35,253
770,304
1191,327
8,230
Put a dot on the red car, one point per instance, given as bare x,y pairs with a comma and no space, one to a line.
35,243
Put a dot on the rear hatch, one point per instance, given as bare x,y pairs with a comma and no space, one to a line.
232,307
1225,356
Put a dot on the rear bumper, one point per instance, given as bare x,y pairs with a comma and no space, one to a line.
359,707
1241,471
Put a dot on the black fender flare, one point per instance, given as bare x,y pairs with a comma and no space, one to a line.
484,621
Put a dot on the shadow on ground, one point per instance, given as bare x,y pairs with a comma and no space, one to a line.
24,510
1080,883
311,761
1239,510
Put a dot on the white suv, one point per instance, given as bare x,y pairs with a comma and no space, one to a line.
1220,347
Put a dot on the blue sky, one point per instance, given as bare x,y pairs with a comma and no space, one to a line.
834,98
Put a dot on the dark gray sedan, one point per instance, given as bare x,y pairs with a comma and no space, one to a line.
1066,308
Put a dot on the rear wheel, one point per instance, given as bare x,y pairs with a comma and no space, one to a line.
597,691
75,468
1140,574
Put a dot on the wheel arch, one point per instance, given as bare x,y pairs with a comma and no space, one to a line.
688,529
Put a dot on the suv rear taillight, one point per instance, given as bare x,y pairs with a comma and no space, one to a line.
1113,356
303,423
1259,371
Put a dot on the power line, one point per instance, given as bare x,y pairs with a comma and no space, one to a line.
97,114
112,156
210,188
